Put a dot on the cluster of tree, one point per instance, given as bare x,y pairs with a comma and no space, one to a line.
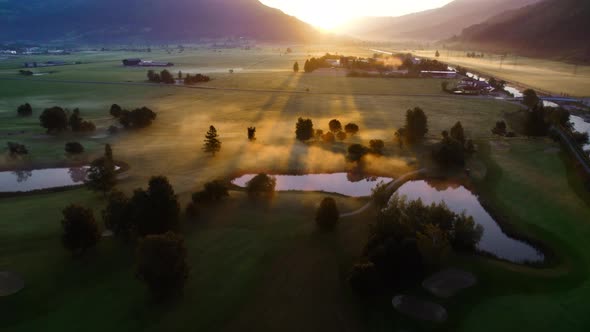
16,149
213,192
316,63
138,118
150,214
147,212
163,77
197,78
422,65
74,148
453,148
102,175
415,129
57,119
24,110
26,72
474,55
212,144
407,239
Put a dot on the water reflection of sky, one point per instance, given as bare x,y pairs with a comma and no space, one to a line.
340,183
581,126
16,181
460,199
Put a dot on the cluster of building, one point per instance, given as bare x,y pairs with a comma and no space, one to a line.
470,86
136,62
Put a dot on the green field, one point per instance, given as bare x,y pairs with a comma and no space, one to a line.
266,268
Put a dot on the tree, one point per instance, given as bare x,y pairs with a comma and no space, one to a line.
400,135
80,230
307,67
351,128
213,191
296,67
437,54
252,133
377,146
179,75
162,264
535,122
416,125
457,133
335,126
466,233
304,129
54,119
449,152
166,77
327,214
530,98
212,143
261,185
116,111
74,148
499,129
102,174
341,135
117,215
24,110
433,243
155,210
151,75
356,152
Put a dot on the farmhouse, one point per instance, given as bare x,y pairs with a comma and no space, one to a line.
135,62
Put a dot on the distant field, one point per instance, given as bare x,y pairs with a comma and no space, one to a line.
546,75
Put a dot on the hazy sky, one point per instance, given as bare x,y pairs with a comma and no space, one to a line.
328,14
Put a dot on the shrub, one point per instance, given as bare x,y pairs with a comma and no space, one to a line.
80,230
24,110
16,149
261,184
162,264
351,129
74,148
327,214
328,137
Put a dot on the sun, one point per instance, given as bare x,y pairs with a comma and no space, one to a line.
324,19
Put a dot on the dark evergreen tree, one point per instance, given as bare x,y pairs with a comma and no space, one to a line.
155,210
296,67
212,143
457,133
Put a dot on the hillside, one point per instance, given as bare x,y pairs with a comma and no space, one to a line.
552,28
146,20
434,24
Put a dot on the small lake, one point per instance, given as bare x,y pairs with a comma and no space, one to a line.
23,181
340,183
580,125
459,199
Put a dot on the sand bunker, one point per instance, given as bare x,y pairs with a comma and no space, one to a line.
419,309
10,283
449,282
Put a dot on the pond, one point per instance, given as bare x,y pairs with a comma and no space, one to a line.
348,184
23,181
580,125
459,199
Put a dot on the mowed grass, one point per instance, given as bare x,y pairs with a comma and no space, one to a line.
235,252
546,75
540,193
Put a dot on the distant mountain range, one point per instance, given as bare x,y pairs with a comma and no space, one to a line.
551,28
434,24
111,21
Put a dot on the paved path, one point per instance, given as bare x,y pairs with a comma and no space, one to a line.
390,186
